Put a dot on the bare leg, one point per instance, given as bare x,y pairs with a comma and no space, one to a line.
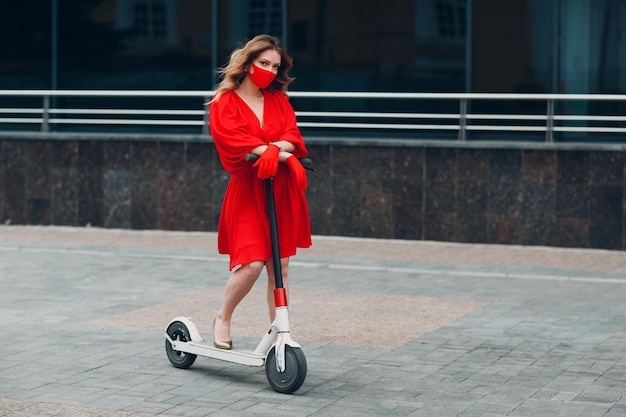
271,284
239,284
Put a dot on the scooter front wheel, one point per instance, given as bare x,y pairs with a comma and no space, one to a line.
179,332
295,370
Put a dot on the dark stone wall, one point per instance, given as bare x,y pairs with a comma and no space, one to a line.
550,195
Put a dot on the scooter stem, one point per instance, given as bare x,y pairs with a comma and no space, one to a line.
271,207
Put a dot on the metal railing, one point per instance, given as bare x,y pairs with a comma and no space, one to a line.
573,115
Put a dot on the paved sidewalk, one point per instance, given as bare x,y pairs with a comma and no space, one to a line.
389,328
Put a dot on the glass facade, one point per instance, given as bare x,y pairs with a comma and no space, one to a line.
552,46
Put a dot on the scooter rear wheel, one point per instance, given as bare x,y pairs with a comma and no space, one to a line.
293,377
179,332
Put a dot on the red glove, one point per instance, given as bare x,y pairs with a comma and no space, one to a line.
268,162
298,171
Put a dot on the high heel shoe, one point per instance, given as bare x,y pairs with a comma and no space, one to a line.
226,345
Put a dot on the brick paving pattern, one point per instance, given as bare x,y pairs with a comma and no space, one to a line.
389,328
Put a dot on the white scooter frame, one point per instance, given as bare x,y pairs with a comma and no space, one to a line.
198,345
284,361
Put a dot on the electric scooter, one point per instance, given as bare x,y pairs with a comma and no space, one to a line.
284,361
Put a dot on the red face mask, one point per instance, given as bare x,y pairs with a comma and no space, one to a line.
261,77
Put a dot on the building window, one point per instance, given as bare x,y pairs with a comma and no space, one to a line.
265,16
149,22
149,19
441,21
450,16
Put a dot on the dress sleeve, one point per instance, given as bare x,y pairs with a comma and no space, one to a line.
291,132
231,132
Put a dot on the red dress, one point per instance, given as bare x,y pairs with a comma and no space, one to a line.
243,229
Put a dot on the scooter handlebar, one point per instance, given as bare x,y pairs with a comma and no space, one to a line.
306,162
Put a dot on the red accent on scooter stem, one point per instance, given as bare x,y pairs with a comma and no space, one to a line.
280,297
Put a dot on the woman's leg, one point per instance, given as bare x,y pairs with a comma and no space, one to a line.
271,284
239,284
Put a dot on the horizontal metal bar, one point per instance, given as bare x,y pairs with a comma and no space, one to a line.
105,111
162,122
506,128
21,111
129,112
128,122
104,93
591,118
467,96
590,129
505,117
319,94
325,114
378,115
24,120
391,126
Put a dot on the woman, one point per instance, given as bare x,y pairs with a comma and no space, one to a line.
250,113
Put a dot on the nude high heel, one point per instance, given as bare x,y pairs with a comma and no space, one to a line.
227,345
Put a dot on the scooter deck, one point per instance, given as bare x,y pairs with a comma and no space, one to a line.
229,355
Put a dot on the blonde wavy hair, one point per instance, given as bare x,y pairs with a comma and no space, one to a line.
234,72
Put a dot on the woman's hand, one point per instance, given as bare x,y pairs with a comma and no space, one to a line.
267,163
298,171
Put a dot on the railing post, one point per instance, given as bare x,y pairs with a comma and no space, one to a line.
462,119
45,127
205,117
550,121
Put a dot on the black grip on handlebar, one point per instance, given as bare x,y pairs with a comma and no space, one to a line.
306,162
251,157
